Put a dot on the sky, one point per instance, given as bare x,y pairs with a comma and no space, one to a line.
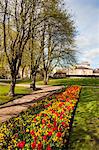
85,14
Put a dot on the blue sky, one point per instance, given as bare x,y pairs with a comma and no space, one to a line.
86,16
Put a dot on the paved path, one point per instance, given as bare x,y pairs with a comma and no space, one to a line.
14,107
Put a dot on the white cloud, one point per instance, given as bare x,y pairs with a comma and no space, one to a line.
82,41
86,15
87,41
92,53
90,56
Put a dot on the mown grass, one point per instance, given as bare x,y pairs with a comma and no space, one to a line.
19,92
73,81
85,133
64,81
18,81
67,81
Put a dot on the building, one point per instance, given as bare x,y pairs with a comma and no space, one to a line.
82,69
96,71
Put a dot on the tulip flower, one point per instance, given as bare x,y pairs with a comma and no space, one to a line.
21,144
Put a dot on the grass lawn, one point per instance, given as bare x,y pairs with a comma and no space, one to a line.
74,81
19,81
4,90
85,134
22,90
64,81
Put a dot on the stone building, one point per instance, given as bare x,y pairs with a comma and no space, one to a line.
96,71
79,69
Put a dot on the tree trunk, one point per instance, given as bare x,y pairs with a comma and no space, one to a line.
12,86
23,72
33,85
46,77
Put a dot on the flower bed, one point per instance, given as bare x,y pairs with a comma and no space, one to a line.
42,127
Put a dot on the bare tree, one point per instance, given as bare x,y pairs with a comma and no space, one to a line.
34,42
16,22
43,29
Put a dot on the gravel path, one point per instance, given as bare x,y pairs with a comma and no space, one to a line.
16,106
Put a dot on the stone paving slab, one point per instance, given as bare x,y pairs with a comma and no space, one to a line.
16,106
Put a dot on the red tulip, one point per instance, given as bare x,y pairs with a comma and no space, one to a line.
45,106
53,111
43,121
64,124
45,115
60,105
60,128
50,133
34,119
68,107
32,132
56,114
59,134
61,116
49,104
72,107
40,146
35,138
21,144
45,137
54,129
49,126
67,99
33,145
48,147
62,113
55,123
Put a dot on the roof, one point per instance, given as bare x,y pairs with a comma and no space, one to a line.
60,73
83,67
96,71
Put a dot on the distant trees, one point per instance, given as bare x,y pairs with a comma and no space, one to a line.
38,34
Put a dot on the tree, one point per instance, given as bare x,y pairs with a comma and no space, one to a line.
43,28
58,37
34,43
25,65
16,22
35,59
4,69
